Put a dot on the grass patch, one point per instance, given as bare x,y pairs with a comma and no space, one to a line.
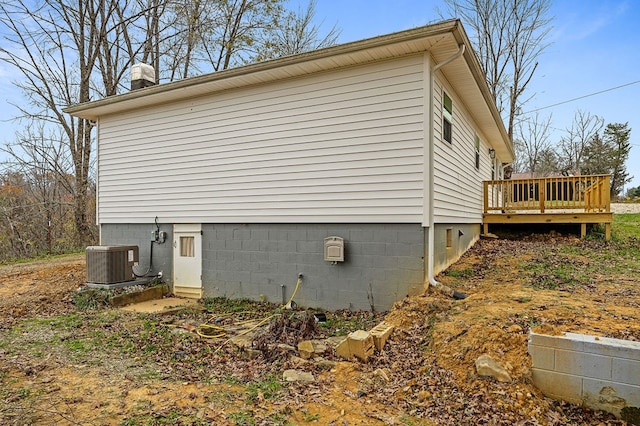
242,418
265,389
91,298
626,226
459,273
553,270
222,305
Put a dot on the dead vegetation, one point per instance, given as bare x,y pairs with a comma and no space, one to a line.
59,364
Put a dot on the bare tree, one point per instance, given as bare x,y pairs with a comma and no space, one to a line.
58,48
70,52
534,140
296,33
572,147
508,36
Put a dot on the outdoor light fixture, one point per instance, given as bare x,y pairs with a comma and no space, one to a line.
492,153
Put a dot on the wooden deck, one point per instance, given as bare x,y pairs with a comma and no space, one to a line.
563,200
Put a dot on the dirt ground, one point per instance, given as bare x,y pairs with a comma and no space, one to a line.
425,376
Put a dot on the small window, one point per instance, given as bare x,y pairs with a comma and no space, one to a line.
187,247
493,169
449,237
477,140
447,118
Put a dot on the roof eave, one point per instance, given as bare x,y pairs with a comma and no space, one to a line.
92,110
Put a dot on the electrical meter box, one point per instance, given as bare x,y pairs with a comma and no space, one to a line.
334,249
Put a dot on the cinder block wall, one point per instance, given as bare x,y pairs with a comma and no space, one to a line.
140,235
597,372
383,263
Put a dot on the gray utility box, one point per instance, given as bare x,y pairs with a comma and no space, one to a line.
111,264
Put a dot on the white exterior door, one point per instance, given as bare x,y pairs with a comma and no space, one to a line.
187,260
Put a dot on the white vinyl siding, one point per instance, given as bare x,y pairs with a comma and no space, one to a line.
336,147
457,182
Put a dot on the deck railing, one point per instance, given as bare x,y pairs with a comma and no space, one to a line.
586,193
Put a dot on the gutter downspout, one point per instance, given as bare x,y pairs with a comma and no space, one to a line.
431,242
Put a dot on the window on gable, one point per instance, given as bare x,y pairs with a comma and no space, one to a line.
477,140
447,118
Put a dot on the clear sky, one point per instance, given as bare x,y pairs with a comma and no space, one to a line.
595,47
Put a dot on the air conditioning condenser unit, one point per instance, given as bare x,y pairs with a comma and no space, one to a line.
111,264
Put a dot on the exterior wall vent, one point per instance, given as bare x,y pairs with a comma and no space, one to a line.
334,249
111,264
142,75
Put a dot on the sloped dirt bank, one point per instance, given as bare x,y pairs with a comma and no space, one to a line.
62,365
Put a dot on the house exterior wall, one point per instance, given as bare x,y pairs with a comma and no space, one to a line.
383,262
457,182
337,147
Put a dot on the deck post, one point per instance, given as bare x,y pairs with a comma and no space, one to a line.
541,194
486,196
583,230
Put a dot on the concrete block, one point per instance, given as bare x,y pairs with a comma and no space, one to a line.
386,235
242,233
342,349
296,234
566,387
268,246
287,246
150,293
242,257
398,249
361,235
542,357
607,346
250,245
358,344
415,236
625,371
235,245
353,248
583,364
558,342
386,262
610,396
277,234
259,256
309,246
224,255
410,263
377,249
317,234
380,334
361,344
259,234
